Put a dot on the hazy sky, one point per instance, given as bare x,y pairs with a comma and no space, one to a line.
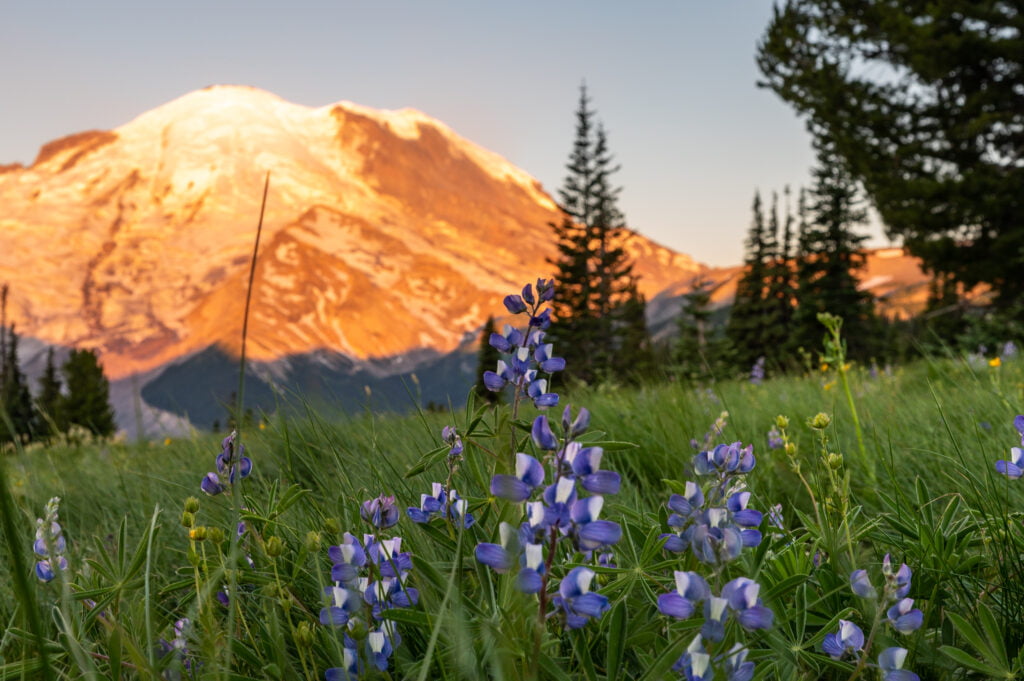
674,83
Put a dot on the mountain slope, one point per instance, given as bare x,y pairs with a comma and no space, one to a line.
386,233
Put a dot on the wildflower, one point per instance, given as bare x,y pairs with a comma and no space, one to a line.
757,372
528,476
890,661
50,544
849,639
742,597
861,584
995,362
690,589
736,666
452,439
381,512
343,602
500,557
576,599
904,617
351,667
695,663
897,584
775,440
1009,350
446,503
230,464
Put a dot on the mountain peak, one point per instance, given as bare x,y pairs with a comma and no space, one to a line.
386,233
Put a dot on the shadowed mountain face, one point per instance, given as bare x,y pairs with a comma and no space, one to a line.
385,234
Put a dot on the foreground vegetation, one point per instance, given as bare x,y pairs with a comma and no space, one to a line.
922,487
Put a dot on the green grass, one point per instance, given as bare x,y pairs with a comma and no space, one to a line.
925,491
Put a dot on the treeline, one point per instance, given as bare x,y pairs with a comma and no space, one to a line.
81,399
803,258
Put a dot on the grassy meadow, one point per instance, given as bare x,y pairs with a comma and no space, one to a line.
921,486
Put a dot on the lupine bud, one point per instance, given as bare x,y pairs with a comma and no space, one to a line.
192,505
197,533
820,421
215,535
781,421
312,542
303,635
275,547
188,519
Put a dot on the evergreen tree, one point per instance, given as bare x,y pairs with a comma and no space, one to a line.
87,402
781,297
750,317
17,416
597,304
487,359
923,100
830,253
50,419
694,328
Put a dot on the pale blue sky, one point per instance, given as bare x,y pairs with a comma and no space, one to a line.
673,82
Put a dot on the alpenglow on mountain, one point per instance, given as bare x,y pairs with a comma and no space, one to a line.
386,234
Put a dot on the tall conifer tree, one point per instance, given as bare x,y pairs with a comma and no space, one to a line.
597,305
750,317
87,402
17,415
830,254
48,403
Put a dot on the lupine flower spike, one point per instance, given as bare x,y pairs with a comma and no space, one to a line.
231,464
50,544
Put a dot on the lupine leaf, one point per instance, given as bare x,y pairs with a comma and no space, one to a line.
970,662
616,640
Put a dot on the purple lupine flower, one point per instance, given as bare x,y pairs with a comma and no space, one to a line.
342,603
381,512
861,584
528,476
715,613
545,289
695,663
378,649
736,666
1009,351
531,576
897,584
775,440
514,304
725,459
746,518
890,661
537,391
348,558
849,639
585,463
211,484
577,601
1014,468
542,435
388,555
575,427
904,617
452,439
500,557
429,504
546,361
742,596
757,372
350,669
690,590
591,533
